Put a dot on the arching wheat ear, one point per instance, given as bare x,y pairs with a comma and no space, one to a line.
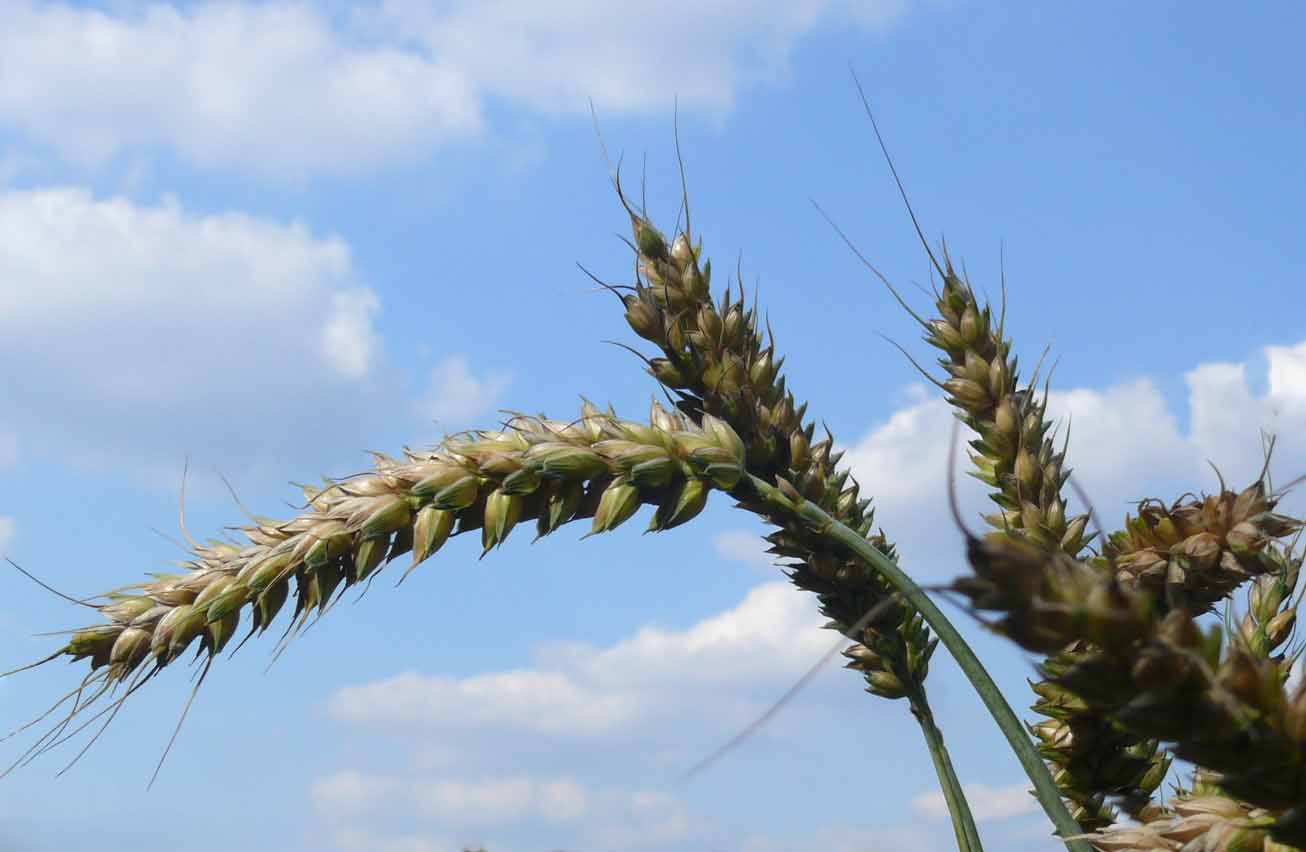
597,467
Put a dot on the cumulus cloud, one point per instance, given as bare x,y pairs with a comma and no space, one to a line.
1124,438
1128,441
578,689
555,57
303,96
376,83
1227,410
455,395
986,803
901,459
1121,432
222,336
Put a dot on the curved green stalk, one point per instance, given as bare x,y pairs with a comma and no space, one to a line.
1045,789
963,824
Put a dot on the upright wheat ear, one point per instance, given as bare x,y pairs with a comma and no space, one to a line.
1016,455
552,472
716,360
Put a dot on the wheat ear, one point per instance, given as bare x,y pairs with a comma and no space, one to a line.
597,467
716,359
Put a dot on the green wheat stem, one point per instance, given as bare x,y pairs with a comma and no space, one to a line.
963,824
1045,789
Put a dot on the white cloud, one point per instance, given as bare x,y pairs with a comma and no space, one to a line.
986,803
8,527
376,83
350,791
492,800
719,672
1227,412
359,805
545,702
455,395
746,547
1287,373
903,458
578,689
556,56
772,632
271,88
642,819
1128,441
1120,432
1125,440
348,342
222,336
1128,431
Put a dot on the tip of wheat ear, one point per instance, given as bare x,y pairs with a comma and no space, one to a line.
597,467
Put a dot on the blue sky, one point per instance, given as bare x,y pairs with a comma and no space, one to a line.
270,237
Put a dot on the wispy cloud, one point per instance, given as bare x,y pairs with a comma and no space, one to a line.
745,547
359,805
455,395
8,528
986,803
452,800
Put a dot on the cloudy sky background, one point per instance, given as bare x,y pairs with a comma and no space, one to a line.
269,237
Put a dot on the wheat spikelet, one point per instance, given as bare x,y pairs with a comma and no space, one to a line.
597,467
1196,552
1194,823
